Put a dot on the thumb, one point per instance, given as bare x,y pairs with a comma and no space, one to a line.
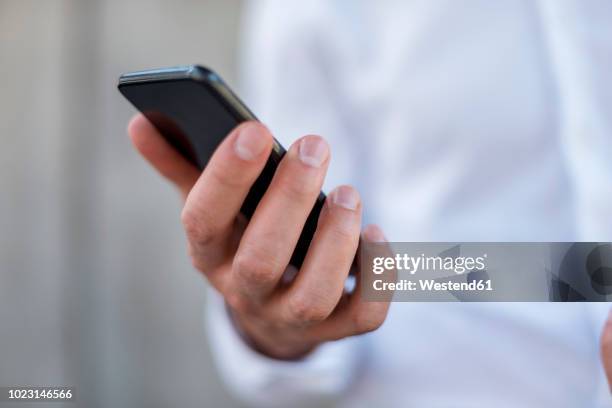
606,348
163,157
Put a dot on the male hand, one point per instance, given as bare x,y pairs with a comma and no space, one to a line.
606,349
281,316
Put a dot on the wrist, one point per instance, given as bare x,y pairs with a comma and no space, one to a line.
268,342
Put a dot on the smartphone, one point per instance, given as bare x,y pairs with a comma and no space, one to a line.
194,110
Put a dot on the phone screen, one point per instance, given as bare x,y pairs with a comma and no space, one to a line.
187,114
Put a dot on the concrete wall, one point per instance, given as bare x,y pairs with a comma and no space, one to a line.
96,290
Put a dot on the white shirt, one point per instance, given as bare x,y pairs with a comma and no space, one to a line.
464,120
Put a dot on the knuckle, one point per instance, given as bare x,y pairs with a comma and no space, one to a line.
224,175
367,322
256,269
298,189
198,230
238,303
344,233
306,310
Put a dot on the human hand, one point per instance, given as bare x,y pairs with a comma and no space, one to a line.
606,349
248,262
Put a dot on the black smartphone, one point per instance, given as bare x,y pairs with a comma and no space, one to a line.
194,110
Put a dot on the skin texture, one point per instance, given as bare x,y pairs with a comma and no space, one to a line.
606,349
247,263
281,312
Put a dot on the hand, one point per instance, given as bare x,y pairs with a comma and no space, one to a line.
606,349
282,312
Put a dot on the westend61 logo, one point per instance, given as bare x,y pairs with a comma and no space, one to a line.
486,271
413,264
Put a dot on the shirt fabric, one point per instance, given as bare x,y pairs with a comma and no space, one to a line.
475,120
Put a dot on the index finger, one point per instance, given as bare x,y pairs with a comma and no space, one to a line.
215,200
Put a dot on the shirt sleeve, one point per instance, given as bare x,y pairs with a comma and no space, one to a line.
262,381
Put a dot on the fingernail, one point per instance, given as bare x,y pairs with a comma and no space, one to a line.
312,151
346,197
250,142
372,233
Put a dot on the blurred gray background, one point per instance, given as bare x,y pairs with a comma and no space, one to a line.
96,290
